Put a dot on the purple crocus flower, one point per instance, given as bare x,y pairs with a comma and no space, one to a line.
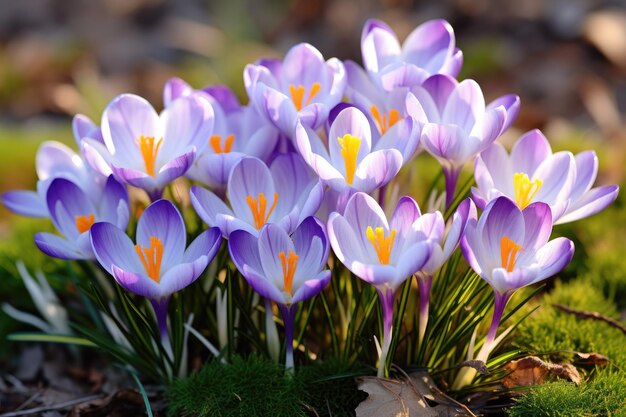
302,88
285,193
509,249
533,173
383,253
456,123
148,150
285,269
158,265
351,164
53,160
239,131
73,213
429,49
447,238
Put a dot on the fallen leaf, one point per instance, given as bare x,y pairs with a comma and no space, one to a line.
124,403
531,371
392,398
447,407
591,359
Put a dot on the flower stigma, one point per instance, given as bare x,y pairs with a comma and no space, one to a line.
525,189
289,269
385,121
382,245
84,223
349,150
258,206
297,94
216,143
149,149
151,258
508,253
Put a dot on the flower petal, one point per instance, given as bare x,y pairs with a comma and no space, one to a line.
57,247
206,244
125,119
207,205
113,247
311,287
530,150
26,203
188,121
162,220
249,178
593,201
379,45
137,283
377,169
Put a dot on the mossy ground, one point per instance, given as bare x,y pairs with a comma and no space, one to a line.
256,387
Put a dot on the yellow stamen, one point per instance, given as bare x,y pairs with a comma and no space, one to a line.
349,150
84,223
149,150
289,268
525,189
151,258
258,207
508,253
216,143
382,245
384,121
297,94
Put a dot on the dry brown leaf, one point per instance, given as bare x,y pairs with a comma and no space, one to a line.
391,398
592,358
124,403
531,371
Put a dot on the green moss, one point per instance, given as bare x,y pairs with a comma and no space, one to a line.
247,387
605,395
255,387
558,333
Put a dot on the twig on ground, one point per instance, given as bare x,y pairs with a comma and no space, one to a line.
59,406
592,315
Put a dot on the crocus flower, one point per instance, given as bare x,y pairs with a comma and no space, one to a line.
73,213
429,49
239,131
533,173
509,249
158,265
285,269
53,160
351,164
447,238
302,88
148,150
285,193
456,123
382,253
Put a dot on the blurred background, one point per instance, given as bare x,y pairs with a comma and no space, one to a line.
566,59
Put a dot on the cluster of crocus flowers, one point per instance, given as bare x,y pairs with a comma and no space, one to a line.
294,172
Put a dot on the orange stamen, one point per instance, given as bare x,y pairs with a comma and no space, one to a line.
384,121
382,245
508,253
216,144
258,207
289,268
151,258
84,223
149,150
297,94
